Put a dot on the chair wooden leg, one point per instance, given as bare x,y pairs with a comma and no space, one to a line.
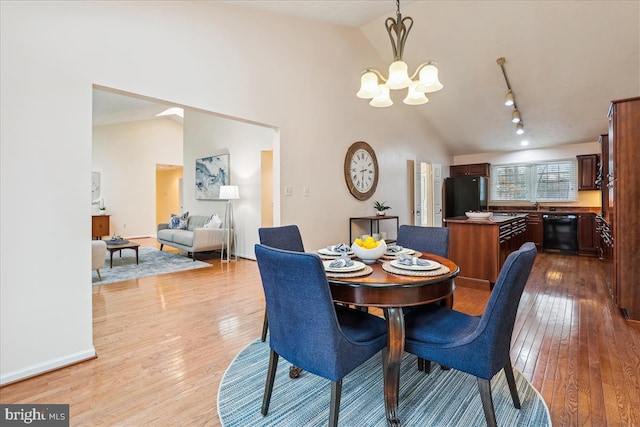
265,327
508,372
99,276
334,411
487,402
268,387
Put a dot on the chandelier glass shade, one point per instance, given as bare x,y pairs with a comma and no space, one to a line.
375,86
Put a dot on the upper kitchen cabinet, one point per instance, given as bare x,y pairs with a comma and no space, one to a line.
624,162
477,169
588,172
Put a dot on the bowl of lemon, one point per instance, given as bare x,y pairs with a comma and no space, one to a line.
369,250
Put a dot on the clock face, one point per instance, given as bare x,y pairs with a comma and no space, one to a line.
361,170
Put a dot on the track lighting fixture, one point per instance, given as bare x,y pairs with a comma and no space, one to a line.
510,100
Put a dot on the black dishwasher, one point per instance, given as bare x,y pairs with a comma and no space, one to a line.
560,233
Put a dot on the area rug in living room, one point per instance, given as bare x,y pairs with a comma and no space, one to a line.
441,398
151,262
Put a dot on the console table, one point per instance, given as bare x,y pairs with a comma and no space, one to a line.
373,220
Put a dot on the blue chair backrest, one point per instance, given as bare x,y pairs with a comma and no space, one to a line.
286,237
496,324
303,325
433,240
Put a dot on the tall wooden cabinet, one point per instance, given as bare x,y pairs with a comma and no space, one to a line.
624,202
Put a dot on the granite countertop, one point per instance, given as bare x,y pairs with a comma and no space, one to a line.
497,218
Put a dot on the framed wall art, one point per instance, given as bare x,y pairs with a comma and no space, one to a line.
211,173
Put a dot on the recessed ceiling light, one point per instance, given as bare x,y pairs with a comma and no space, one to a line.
173,111
524,142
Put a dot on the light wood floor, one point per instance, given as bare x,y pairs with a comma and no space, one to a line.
164,343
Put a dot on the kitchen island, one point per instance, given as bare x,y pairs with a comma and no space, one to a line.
480,246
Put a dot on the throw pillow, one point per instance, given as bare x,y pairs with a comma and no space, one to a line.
184,221
214,221
179,222
174,222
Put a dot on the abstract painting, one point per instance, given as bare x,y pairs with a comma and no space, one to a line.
211,173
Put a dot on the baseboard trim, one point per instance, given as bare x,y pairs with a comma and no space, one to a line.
43,368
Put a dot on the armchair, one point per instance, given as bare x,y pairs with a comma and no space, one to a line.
98,252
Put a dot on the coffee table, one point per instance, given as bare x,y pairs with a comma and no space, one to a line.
118,248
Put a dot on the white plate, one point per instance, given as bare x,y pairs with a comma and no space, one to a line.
405,251
357,265
325,251
431,266
478,215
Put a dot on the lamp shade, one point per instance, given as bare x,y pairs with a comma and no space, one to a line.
515,117
368,86
429,81
383,99
520,128
229,192
509,99
398,75
414,97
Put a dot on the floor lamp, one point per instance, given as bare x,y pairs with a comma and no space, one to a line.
229,192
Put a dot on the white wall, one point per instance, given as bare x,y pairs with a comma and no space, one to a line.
207,135
126,156
274,70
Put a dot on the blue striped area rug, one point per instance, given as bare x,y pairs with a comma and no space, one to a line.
441,398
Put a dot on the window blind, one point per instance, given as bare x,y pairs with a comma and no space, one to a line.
542,181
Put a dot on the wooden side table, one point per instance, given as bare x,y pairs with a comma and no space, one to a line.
99,226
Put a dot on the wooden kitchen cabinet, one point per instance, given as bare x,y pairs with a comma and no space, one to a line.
588,171
535,229
476,169
604,176
99,226
624,202
587,237
480,247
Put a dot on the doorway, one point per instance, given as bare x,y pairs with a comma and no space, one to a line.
427,194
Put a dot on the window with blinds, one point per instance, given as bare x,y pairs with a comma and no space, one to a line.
553,181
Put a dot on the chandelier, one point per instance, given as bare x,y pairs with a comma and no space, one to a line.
374,86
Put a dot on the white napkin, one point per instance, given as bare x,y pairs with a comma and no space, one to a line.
340,247
394,248
343,261
405,259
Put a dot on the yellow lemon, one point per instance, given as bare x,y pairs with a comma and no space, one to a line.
358,242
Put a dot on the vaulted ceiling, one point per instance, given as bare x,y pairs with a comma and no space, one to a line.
566,60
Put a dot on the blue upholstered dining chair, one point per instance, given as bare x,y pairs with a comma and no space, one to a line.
286,237
476,345
325,340
434,240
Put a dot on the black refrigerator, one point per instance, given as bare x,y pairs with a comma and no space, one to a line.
464,193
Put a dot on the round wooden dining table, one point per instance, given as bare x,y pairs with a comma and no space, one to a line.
391,292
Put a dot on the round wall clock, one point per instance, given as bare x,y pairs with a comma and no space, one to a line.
361,170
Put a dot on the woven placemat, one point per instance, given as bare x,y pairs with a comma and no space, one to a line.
416,254
364,272
332,257
425,273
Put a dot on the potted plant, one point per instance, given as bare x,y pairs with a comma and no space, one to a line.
380,208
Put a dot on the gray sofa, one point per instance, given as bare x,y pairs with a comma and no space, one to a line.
195,238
